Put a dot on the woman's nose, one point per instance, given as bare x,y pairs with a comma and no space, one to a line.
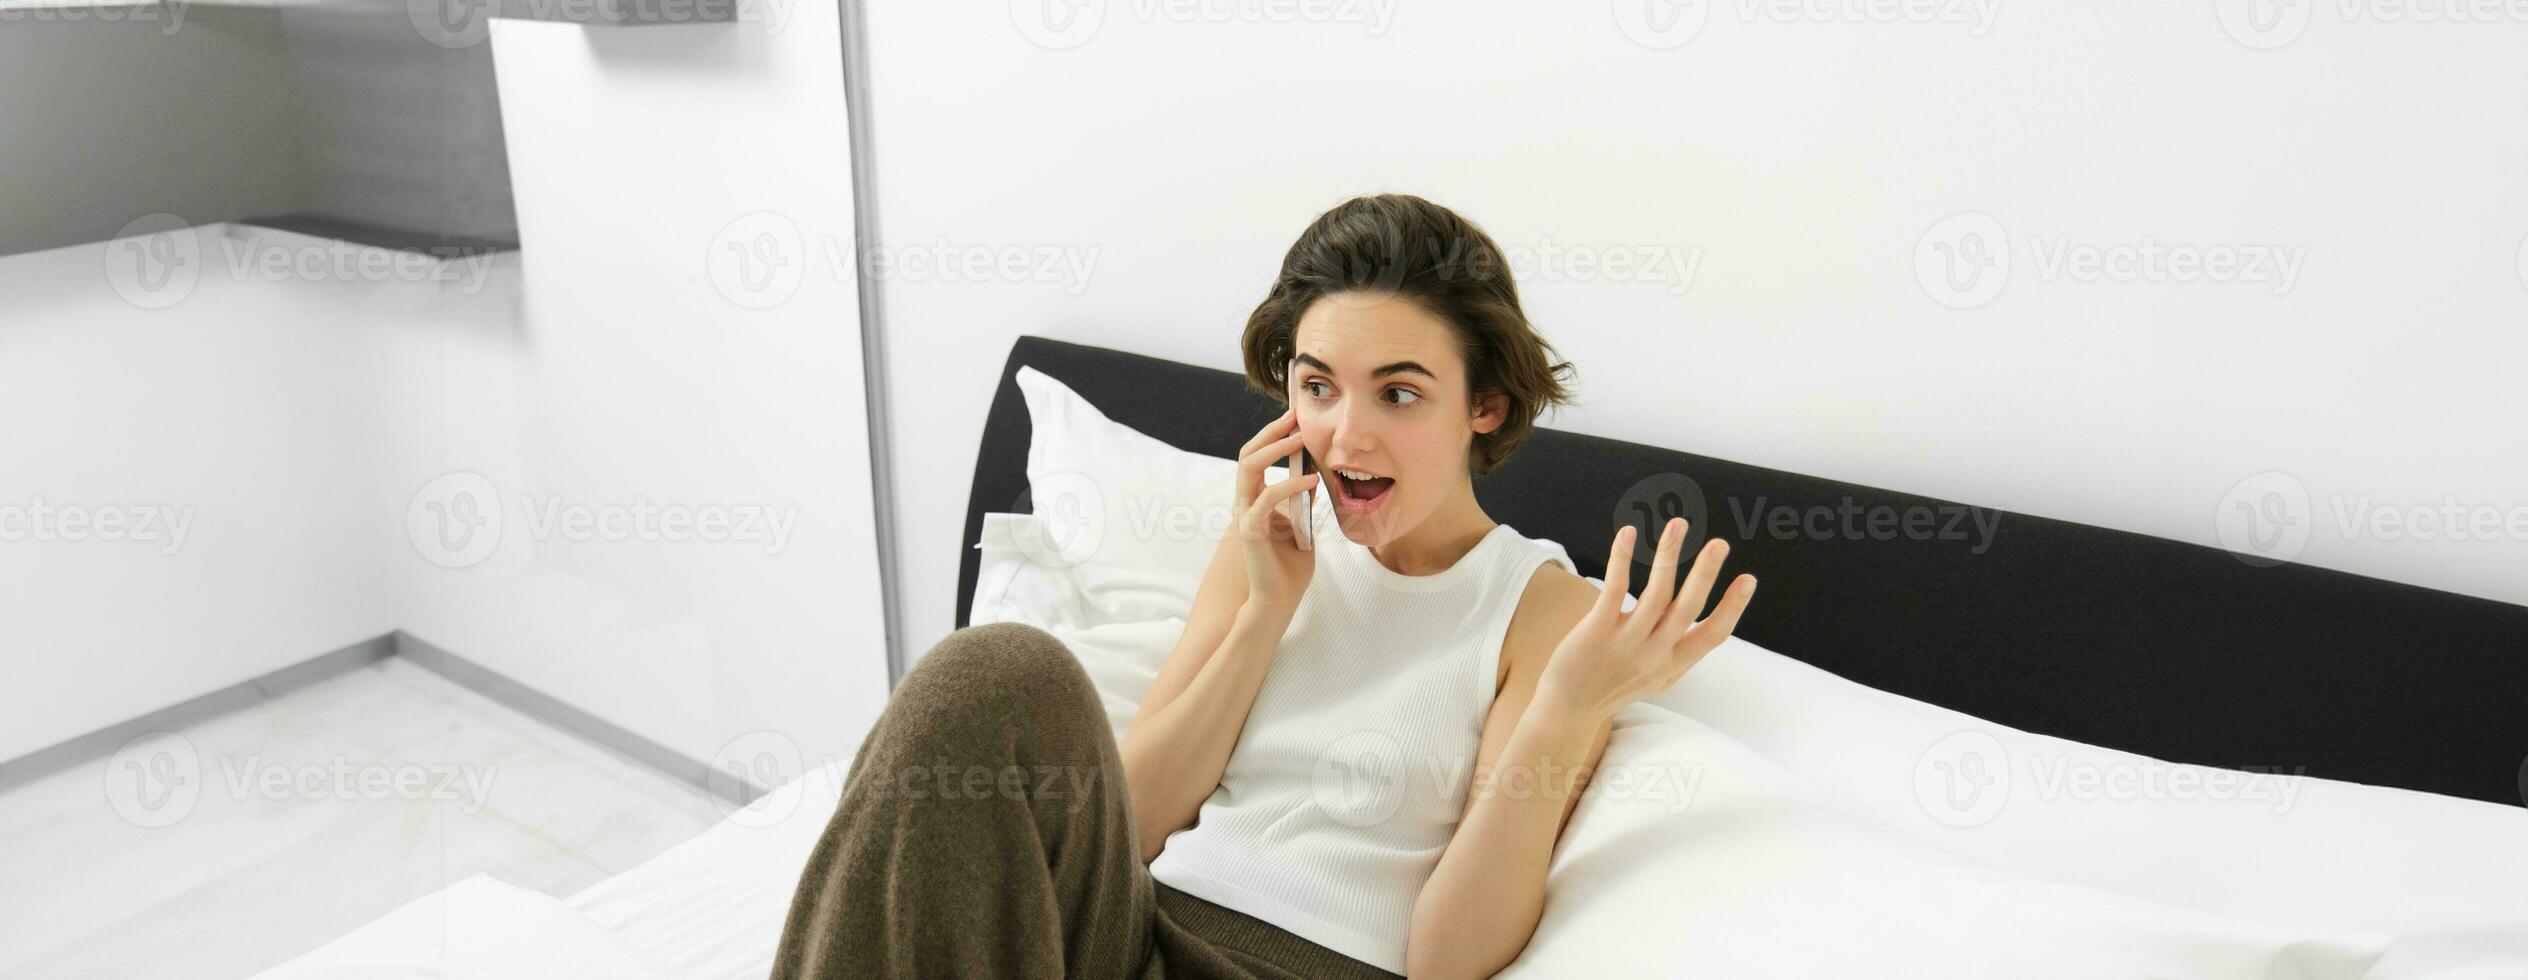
1355,428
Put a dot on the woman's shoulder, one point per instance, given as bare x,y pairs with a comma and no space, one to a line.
1554,599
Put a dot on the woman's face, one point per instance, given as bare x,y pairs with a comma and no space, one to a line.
1381,393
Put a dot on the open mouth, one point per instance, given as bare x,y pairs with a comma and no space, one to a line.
1359,491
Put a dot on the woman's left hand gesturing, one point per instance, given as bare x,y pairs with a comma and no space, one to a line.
1612,658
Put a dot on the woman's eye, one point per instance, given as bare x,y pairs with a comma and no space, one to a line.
1398,396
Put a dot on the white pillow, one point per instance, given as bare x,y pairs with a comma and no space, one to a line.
1692,855
2318,853
1122,656
1136,511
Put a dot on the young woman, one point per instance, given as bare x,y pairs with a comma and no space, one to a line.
1359,755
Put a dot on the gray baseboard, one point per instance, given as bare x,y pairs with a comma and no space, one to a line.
623,742
632,746
103,742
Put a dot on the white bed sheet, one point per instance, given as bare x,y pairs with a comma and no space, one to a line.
480,928
712,907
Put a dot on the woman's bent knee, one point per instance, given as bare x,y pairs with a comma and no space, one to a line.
1011,655
1008,677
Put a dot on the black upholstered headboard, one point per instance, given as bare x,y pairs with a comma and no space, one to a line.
2177,651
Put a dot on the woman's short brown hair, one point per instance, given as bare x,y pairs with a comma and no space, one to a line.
1402,245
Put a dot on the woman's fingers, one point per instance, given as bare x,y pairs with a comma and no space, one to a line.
1276,451
1619,573
1663,576
1260,513
1724,618
1251,466
1279,492
1271,431
1688,605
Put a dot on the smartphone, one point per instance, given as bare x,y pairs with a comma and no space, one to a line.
1303,510
1303,504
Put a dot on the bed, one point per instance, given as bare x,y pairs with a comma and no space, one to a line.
2223,767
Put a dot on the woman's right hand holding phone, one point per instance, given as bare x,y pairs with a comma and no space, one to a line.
1277,568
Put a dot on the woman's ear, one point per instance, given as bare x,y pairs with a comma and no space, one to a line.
1490,411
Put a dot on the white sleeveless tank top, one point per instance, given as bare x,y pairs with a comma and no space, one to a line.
1347,782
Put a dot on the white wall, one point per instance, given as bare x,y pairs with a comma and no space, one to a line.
632,378
620,367
240,407
1806,161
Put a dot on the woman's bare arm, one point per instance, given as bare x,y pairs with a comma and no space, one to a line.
1180,740
1482,902
1189,722
1216,603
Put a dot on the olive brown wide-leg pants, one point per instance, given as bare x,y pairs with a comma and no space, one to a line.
985,831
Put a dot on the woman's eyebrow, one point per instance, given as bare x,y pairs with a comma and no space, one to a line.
1397,368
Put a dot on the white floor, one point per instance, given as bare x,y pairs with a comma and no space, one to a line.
300,832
